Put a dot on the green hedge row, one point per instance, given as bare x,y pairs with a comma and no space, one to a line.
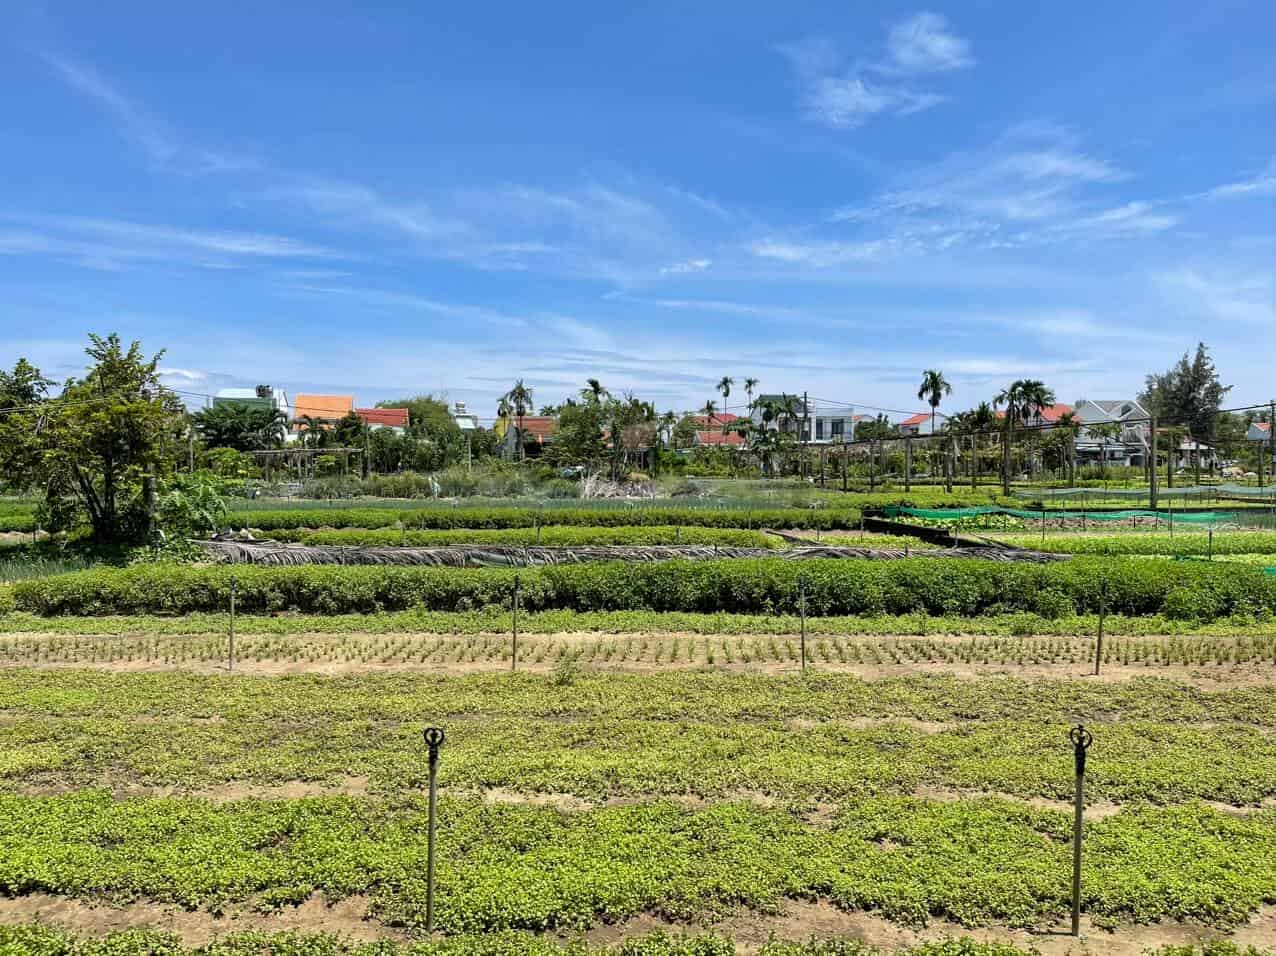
1199,591
548,536
437,518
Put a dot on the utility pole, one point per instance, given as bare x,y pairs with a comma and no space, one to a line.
1154,477
806,428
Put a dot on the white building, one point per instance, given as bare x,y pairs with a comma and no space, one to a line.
816,422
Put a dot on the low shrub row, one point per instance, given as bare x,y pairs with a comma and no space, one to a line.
1150,542
549,536
442,517
1185,591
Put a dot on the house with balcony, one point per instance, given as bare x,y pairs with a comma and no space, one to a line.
811,421
1129,438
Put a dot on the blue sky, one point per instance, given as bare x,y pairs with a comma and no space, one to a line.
387,199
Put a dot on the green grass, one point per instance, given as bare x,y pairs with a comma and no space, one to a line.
598,736
518,867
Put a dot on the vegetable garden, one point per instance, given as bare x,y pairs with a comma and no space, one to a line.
690,757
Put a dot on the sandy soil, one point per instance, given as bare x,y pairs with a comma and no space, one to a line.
797,920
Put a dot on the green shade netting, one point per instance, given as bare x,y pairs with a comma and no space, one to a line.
949,514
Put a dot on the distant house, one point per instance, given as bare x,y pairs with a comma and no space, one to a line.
711,431
263,396
919,424
538,431
816,422
395,419
1131,446
1259,431
327,409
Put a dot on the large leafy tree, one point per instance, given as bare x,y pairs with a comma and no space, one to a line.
430,421
1189,394
99,449
21,391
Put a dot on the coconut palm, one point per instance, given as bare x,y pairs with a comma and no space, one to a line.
749,385
710,411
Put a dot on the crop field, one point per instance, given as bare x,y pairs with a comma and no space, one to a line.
653,766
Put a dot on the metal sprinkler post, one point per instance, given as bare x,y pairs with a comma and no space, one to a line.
514,644
1081,741
234,586
434,738
1103,616
802,611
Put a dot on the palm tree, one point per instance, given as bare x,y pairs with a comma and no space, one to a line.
1023,398
934,387
749,385
1070,426
724,387
518,400
314,430
1105,432
710,411
593,392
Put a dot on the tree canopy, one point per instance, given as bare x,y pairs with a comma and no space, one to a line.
1188,394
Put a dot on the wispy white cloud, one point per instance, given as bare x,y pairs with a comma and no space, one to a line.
160,146
1262,184
686,267
821,253
113,244
845,95
1222,296
923,43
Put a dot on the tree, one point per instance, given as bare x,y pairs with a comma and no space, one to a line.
313,431
1105,432
876,428
749,385
100,449
724,386
1068,426
710,411
578,439
1023,398
430,420
594,393
1189,394
518,402
933,389
240,426
20,392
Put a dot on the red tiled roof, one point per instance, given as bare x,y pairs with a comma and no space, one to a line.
539,427
711,437
718,420
392,417
1263,426
1052,413
915,419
